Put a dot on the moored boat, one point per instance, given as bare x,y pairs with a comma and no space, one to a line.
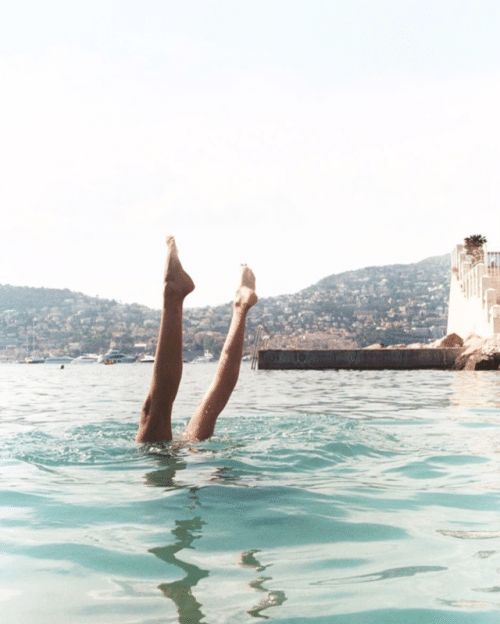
86,358
203,359
58,359
113,355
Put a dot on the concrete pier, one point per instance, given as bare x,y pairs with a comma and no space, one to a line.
359,359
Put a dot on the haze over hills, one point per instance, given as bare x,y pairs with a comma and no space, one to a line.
389,304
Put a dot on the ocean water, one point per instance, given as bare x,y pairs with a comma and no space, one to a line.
325,497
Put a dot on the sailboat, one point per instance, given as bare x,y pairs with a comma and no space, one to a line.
34,359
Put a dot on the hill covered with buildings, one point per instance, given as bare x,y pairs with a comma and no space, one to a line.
389,304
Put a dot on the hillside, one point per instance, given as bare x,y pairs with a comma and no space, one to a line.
389,304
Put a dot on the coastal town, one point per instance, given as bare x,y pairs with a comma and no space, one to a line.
395,304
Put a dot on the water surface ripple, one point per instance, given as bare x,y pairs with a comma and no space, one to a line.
325,497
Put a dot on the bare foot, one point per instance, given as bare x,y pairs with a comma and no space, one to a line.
176,279
245,295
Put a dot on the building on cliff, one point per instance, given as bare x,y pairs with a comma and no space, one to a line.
474,306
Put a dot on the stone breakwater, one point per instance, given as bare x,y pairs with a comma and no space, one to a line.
449,353
477,353
358,359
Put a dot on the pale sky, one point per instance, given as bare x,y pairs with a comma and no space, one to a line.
304,138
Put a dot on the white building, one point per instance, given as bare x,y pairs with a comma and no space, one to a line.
474,293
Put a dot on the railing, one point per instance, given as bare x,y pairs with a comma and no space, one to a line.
255,354
463,266
493,258
256,346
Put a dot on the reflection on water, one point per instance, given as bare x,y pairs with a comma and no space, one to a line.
165,477
477,389
271,598
327,495
392,573
186,532
180,592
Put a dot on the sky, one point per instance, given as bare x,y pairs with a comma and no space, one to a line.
304,138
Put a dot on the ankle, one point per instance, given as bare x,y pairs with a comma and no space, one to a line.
241,307
172,288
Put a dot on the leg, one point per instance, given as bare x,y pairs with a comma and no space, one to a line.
202,423
154,425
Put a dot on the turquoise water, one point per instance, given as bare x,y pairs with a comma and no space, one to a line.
342,497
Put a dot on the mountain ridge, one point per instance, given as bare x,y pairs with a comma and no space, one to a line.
398,303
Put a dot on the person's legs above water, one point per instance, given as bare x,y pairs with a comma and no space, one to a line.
202,423
155,421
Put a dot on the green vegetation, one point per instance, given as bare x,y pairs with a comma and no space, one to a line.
474,246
